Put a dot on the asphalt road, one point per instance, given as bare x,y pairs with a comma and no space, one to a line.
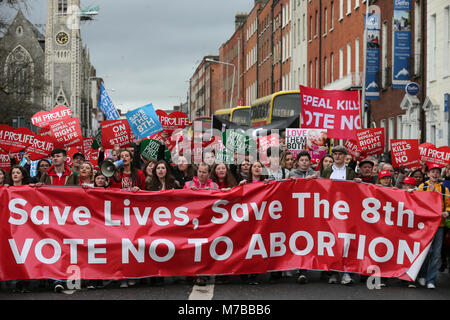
235,290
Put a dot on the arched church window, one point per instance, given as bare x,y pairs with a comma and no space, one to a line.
19,71
19,30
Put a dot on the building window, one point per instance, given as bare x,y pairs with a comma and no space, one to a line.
341,10
331,67
316,24
399,127
349,58
357,55
325,71
432,38
341,63
310,74
317,74
447,41
62,6
349,7
332,15
304,28
417,36
390,133
325,15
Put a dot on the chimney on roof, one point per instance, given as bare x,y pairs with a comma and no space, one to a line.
240,20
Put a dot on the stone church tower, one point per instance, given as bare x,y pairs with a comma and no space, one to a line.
22,60
67,65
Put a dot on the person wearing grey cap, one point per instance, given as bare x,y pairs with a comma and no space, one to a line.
339,171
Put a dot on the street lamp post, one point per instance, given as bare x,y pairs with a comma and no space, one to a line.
234,75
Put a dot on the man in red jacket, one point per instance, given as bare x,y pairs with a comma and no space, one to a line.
59,174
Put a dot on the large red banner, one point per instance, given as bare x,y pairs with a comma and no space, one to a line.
336,111
260,227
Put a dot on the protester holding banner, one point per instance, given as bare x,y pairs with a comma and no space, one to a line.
202,180
148,171
287,161
385,179
324,163
100,180
430,267
183,171
255,173
199,182
365,172
339,171
128,177
77,160
304,169
221,174
17,176
42,167
162,178
446,172
59,173
418,175
2,177
86,175
275,171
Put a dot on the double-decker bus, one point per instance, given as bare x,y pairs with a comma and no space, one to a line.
277,106
238,115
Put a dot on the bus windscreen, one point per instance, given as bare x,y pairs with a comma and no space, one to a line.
286,105
241,117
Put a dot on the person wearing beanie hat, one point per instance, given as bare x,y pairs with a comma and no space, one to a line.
430,267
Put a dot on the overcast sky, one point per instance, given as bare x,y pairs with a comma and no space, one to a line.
146,50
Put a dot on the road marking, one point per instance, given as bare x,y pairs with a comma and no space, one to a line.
202,292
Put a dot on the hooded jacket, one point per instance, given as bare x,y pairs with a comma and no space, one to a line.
67,178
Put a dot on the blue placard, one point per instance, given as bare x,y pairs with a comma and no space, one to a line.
373,57
402,44
106,106
144,121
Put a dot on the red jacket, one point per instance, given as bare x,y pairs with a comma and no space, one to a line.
209,184
67,178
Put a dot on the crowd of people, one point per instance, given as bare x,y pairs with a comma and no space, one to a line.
137,174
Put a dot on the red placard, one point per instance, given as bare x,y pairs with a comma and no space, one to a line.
41,147
430,154
174,120
5,161
405,152
115,133
67,133
255,228
43,119
13,140
370,141
334,110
